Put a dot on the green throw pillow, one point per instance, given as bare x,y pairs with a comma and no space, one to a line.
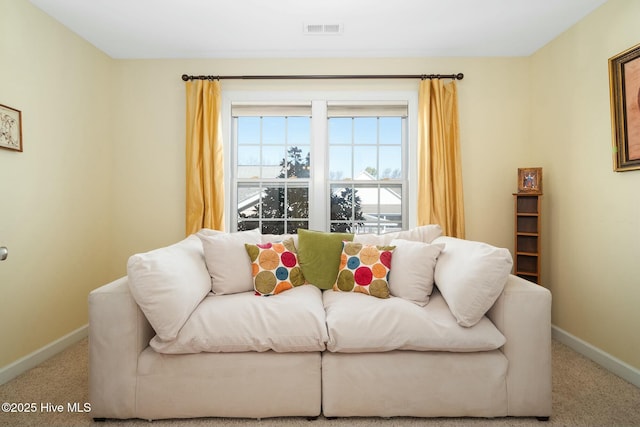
319,256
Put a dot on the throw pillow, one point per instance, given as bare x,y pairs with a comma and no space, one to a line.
227,261
319,256
275,267
471,276
412,271
364,269
168,284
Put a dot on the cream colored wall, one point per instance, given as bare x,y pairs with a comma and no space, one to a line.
591,229
149,159
55,197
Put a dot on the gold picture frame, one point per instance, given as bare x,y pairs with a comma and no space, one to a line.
530,180
624,87
10,128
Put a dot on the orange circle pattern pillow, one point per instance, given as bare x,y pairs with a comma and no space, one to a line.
275,267
364,269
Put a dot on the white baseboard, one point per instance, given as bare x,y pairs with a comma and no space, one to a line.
9,372
607,361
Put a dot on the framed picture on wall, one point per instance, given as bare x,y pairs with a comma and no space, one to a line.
624,84
530,180
10,128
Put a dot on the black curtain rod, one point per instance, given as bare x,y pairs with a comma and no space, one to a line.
458,76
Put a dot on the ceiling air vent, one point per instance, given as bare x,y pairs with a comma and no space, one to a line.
323,29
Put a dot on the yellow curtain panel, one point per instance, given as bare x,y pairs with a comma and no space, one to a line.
205,167
440,198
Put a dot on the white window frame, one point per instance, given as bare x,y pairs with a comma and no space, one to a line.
319,188
373,110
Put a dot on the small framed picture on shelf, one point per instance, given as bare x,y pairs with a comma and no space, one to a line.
530,180
10,128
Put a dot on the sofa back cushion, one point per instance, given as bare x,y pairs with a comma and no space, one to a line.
168,283
227,261
412,270
270,238
319,256
423,233
471,276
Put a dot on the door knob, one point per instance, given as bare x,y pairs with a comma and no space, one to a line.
4,252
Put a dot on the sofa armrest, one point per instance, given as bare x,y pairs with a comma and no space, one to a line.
118,332
523,314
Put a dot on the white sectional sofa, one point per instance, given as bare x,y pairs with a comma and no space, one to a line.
178,338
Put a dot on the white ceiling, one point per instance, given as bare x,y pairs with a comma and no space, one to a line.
274,28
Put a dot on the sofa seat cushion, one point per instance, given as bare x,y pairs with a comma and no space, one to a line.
358,324
293,321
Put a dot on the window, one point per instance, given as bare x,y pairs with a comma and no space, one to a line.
366,174
357,156
272,167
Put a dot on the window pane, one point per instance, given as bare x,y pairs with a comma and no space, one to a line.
248,155
390,215
248,161
369,198
293,226
272,227
343,227
390,130
340,130
266,206
346,211
298,203
298,131
340,163
272,158
272,203
298,159
390,162
273,155
365,130
365,163
247,225
273,130
341,203
249,172
248,130
381,207
248,201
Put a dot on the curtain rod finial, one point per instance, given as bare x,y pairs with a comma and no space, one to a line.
459,76
185,77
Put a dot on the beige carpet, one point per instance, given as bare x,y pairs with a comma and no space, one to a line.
584,394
